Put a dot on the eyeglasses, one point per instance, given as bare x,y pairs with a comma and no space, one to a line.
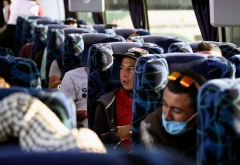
185,81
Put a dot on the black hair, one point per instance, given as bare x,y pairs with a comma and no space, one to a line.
176,87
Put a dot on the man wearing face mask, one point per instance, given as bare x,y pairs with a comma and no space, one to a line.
173,125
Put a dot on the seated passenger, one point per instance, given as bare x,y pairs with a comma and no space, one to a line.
55,74
71,21
208,48
74,85
40,130
113,119
173,125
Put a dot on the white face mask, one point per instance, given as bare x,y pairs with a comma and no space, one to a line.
175,127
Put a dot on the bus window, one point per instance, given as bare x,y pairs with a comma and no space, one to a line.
174,18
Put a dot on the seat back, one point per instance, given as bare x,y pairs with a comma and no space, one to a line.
55,46
162,41
99,27
235,59
151,76
19,34
20,72
28,29
211,67
72,52
218,122
126,32
228,49
6,52
39,39
94,38
74,30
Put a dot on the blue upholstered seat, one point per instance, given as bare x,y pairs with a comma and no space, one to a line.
55,46
20,72
151,72
6,52
126,32
71,30
99,27
228,50
39,39
218,122
72,52
19,34
235,59
28,29
162,41
94,38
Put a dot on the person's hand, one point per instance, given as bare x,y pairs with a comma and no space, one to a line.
125,132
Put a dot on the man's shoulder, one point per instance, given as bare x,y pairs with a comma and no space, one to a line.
108,97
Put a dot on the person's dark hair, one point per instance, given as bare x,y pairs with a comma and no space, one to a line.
110,26
206,46
70,20
176,87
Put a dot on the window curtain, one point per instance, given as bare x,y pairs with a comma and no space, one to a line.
137,13
202,12
67,12
98,18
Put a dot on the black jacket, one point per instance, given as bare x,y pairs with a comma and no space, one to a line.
105,119
153,136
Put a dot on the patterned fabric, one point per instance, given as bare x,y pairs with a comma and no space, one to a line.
28,28
229,49
99,27
39,39
218,122
125,32
61,105
89,29
151,76
111,32
72,52
116,38
180,47
220,67
19,34
153,48
24,73
100,68
162,41
94,38
6,52
235,59
39,130
136,39
55,44
74,30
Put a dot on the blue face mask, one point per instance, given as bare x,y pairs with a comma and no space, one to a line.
175,127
